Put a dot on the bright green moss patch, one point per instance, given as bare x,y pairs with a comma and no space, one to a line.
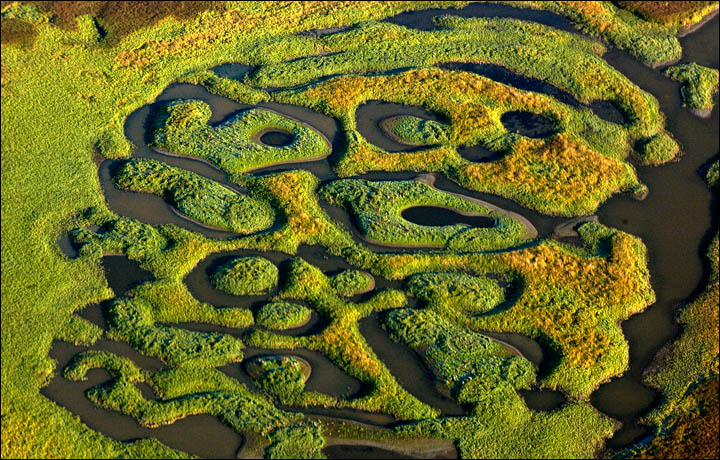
460,356
460,291
377,207
282,315
199,198
132,321
700,83
234,146
351,282
415,131
246,276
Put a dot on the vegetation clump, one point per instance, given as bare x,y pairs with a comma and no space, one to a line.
415,131
480,373
460,291
233,146
246,276
377,207
297,441
281,376
352,282
282,315
199,198
700,83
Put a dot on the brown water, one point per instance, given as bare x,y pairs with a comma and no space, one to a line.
673,222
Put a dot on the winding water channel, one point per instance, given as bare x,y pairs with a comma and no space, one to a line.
674,222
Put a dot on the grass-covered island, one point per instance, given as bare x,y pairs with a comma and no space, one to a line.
410,301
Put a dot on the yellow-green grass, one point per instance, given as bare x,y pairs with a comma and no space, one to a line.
198,198
570,173
65,96
234,146
377,207
62,96
700,84
282,315
246,276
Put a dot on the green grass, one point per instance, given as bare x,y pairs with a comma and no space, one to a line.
282,315
282,376
416,131
480,373
460,291
246,276
199,198
66,94
700,84
351,282
377,206
234,146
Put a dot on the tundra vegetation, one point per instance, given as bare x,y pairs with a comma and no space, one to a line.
73,72
700,84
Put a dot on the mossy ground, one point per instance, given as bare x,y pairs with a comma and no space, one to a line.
69,83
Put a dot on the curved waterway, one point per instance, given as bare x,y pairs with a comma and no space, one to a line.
673,221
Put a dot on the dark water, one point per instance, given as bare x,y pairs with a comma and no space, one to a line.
231,70
352,451
528,124
435,216
123,274
276,138
478,154
369,116
673,222
543,400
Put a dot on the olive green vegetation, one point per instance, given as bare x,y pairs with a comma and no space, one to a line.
343,344
246,276
234,146
300,441
66,94
199,198
712,176
480,373
416,131
182,391
377,207
351,282
279,375
282,315
700,84
460,291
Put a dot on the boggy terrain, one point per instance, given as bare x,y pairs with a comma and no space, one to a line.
279,263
